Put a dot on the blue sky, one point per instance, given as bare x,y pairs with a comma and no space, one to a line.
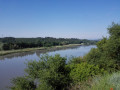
84,19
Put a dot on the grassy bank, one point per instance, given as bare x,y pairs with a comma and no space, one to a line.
107,82
33,49
101,82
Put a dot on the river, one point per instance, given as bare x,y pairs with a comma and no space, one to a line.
13,65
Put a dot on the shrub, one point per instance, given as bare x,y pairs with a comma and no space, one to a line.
83,71
96,57
21,83
93,56
75,60
51,71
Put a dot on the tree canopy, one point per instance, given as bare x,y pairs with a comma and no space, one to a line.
20,43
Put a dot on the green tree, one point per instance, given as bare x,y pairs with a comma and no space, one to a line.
51,72
22,83
107,53
6,46
83,71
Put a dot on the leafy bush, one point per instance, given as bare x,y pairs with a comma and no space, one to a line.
75,60
51,71
83,71
93,56
101,44
21,83
96,57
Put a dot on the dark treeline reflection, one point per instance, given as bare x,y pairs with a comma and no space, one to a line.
15,55
37,52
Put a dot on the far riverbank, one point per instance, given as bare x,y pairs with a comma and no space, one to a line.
2,53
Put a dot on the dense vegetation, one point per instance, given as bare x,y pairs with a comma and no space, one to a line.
1,45
53,73
20,43
107,82
107,53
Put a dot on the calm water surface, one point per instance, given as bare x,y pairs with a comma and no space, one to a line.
13,65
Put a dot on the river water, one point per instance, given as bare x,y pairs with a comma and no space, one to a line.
13,65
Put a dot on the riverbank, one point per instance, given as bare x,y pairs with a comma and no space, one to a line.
33,49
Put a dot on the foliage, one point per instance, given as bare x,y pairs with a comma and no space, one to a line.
106,56
107,53
6,47
114,30
44,86
83,71
106,82
93,56
21,83
51,71
75,60
1,44
20,43
112,46
101,44
96,57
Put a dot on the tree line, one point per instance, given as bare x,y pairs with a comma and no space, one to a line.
10,43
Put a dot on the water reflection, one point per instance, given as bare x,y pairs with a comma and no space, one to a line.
37,52
16,55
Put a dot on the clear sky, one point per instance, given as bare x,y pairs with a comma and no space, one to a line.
86,19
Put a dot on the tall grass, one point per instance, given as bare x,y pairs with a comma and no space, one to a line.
107,82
